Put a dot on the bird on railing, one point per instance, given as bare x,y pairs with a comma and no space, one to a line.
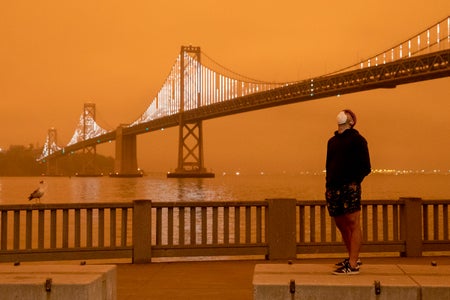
38,193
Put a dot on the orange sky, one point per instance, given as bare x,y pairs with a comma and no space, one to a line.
57,55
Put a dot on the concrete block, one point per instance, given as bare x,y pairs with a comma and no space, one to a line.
433,280
272,281
434,287
324,286
68,281
63,286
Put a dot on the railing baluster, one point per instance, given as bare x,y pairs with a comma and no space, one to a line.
226,225
193,226
215,225
29,229
124,227
312,223
4,234
65,237
436,222
77,227
266,223
445,222
237,224
248,224
112,227
89,227
16,229
375,223
53,228
204,226
181,226
385,223
395,221
101,227
158,228
301,224
41,214
425,222
170,237
258,224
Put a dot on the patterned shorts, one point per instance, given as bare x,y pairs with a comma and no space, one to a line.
344,199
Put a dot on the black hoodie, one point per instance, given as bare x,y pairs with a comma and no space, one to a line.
348,158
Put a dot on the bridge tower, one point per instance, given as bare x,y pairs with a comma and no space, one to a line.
190,137
89,152
125,164
51,165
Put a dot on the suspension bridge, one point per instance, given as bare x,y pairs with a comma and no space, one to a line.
198,88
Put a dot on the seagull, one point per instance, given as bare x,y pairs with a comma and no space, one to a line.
38,193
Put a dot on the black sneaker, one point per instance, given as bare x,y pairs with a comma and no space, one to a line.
343,262
347,270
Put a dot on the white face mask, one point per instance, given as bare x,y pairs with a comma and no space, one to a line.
341,118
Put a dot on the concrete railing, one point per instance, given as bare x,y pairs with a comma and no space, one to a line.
271,229
38,232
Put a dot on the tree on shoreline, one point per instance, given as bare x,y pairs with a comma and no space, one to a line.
20,160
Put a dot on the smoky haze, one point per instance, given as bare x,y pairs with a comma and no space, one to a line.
56,55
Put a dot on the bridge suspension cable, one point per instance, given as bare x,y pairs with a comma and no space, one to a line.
209,82
434,38
50,145
214,65
204,84
86,129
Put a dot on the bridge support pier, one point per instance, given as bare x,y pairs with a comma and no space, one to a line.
51,167
89,168
126,157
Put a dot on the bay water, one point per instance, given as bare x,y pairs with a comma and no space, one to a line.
225,187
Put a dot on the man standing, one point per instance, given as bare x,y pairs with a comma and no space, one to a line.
347,164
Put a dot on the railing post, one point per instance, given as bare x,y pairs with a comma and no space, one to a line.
411,226
281,228
142,231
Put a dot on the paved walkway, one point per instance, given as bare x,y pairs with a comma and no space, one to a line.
214,280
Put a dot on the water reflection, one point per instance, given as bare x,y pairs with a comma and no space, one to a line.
126,188
190,189
15,190
85,189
